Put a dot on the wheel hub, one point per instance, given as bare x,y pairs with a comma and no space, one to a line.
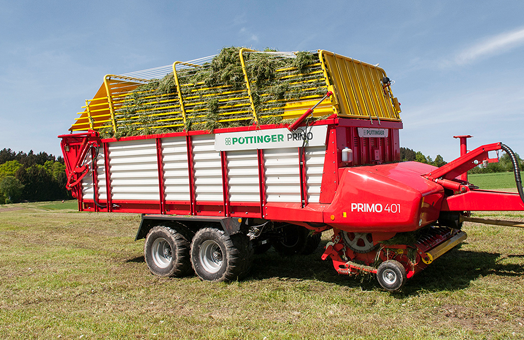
217,256
161,253
211,256
389,276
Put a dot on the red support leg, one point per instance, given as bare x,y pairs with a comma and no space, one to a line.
463,151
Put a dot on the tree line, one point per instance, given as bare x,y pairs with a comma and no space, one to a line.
417,156
31,177
503,165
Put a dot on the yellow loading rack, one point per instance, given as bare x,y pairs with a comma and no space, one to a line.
124,104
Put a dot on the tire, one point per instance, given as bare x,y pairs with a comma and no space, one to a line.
216,256
391,275
291,241
166,252
312,243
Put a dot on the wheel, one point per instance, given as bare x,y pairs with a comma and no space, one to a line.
391,275
166,252
292,240
359,242
312,243
216,256
260,246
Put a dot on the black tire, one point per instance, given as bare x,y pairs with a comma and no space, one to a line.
312,243
260,246
291,240
166,252
216,256
391,275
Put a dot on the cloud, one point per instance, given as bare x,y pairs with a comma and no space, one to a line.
248,34
240,19
490,46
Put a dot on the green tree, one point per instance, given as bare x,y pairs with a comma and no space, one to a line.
7,155
11,189
407,155
38,183
439,161
505,161
9,168
419,157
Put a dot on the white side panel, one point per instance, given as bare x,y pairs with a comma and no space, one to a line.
282,175
87,181
243,176
208,170
315,157
134,170
176,175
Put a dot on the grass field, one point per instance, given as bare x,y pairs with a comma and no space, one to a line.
499,180
72,275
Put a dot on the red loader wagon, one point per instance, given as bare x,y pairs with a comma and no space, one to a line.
223,170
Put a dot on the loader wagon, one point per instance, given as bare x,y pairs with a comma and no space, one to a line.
273,152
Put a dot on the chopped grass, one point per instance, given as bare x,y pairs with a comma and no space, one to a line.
215,95
77,275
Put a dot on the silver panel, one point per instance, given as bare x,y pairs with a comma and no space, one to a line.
208,170
243,176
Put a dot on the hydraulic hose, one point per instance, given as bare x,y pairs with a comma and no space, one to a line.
516,169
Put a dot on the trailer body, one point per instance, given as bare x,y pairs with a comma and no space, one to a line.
208,199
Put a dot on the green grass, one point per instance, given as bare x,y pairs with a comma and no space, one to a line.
498,180
61,205
77,275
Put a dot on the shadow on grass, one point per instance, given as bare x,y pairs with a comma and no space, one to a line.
453,271
138,259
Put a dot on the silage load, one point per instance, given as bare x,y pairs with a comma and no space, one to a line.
215,95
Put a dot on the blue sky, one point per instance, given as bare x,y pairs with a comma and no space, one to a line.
458,66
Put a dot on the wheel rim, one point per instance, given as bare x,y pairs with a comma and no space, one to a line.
389,277
161,253
359,242
211,256
291,238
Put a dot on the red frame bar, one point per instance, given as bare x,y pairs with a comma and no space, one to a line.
262,182
483,200
161,185
302,174
225,183
107,166
94,171
463,151
191,175
330,177
464,163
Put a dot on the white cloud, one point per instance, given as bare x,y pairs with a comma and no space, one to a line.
248,34
490,46
240,19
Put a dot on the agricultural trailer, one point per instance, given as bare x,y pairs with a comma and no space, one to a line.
323,156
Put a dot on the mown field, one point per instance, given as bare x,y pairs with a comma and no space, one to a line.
72,275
